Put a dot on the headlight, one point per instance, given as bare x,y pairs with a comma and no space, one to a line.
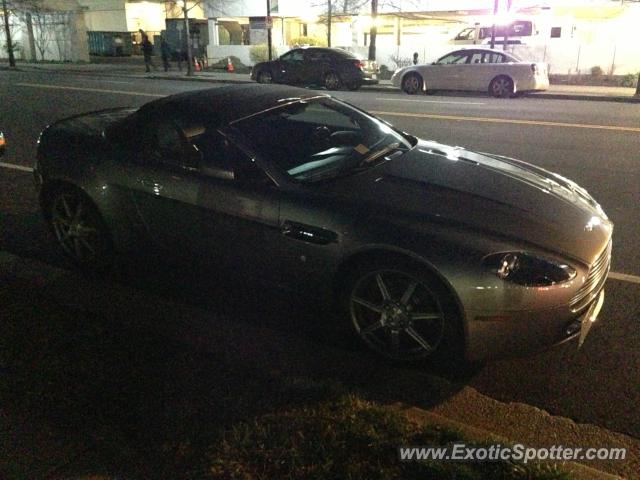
528,270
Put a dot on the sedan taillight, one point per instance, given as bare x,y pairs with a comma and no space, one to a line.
359,64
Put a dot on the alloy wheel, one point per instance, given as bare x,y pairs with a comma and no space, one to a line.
265,77
412,84
397,314
78,228
502,87
332,81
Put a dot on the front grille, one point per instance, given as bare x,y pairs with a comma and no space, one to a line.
595,279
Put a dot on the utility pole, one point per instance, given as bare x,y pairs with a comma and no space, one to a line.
507,26
188,40
7,31
638,86
493,27
268,25
373,31
329,23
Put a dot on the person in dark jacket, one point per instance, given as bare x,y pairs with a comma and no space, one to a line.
147,51
165,52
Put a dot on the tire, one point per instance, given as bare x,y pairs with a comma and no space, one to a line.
501,87
412,83
403,312
332,81
264,76
78,227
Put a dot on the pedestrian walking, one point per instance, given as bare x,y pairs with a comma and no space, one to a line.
147,51
415,58
165,51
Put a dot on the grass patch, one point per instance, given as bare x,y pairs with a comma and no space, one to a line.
347,437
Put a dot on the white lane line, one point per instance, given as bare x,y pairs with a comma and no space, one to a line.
427,101
624,277
81,89
16,167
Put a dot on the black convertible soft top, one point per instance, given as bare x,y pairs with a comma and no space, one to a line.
223,105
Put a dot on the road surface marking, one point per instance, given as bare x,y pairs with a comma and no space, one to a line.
16,167
625,277
119,92
508,120
427,101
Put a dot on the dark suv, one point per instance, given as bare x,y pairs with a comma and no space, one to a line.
330,67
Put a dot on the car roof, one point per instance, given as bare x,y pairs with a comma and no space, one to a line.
223,105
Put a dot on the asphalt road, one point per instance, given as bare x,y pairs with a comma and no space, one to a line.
596,144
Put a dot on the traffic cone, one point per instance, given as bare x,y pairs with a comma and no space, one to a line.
196,64
229,67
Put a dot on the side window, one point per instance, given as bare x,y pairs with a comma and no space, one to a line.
495,58
293,56
163,142
476,57
456,57
222,159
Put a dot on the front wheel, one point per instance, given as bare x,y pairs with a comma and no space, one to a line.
264,76
78,227
403,312
501,87
412,83
332,81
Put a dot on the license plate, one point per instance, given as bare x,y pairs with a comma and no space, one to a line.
590,317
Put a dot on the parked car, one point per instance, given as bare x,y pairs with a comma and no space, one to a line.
332,68
430,250
477,69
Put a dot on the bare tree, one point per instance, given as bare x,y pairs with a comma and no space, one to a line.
10,46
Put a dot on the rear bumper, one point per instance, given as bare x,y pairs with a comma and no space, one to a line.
369,81
533,84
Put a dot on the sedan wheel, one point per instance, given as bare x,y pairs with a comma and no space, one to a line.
501,87
332,81
412,84
398,313
78,228
265,77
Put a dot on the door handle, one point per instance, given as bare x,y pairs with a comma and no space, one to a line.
308,233
152,186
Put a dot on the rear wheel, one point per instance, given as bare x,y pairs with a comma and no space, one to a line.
332,81
264,76
354,85
78,227
412,83
403,312
501,87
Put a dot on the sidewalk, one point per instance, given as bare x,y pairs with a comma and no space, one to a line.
561,92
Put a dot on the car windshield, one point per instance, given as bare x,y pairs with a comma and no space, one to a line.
322,139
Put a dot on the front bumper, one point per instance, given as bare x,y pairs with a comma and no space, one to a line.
527,332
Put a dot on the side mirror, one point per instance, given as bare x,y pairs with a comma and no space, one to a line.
2,144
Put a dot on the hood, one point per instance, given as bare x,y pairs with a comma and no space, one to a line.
92,123
494,194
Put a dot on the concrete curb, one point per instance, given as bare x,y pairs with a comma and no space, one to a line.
578,471
390,89
370,88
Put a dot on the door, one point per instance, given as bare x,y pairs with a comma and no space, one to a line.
289,67
447,72
164,184
239,206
